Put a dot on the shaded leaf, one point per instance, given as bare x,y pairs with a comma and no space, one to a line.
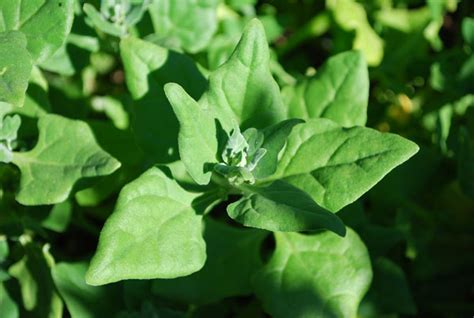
318,275
282,207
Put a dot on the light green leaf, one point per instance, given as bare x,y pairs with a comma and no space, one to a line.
468,30
318,275
282,207
66,152
337,165
59,217
197,134
148,68
153,233
9,126
232,256
8,307
46,23
351,16
188,23
245,84
82,300
339,91
15,67
33,273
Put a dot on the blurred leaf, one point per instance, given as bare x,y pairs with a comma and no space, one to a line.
189,24
33,273
82,300
46,23
351,16
15,67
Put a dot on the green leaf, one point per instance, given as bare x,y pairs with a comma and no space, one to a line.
33,273
46,23
197,134
9,126
148,68
245,84
468,30
15,67
66,152
188,23
82,300
153,233
8,307
318,275
337,165
233,254
274,140
59,217
351,16
282,207
339,91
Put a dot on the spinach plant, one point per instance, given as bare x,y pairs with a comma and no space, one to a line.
289,175
186,158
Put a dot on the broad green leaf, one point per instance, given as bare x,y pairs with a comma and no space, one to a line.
282,207
33,273
198,143
245,84
153,233
46,23
148,68
337,165
189,24
232,256
274,140
339,91
66,152
8,307
351,16
15,67
318,275
82,300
